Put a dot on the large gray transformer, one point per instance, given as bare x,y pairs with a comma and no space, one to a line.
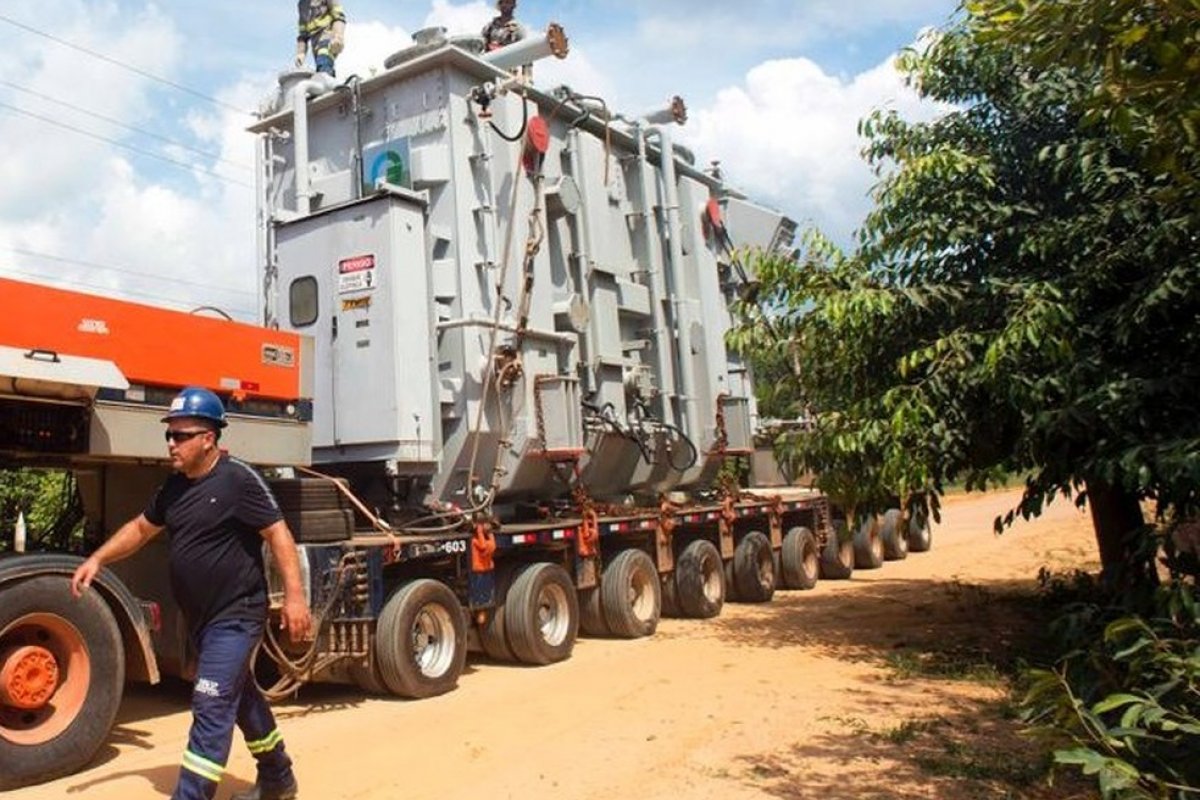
512,292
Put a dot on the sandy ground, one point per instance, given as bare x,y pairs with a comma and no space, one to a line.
792,699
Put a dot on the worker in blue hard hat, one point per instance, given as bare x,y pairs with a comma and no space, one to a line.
322,28
219,511
504,29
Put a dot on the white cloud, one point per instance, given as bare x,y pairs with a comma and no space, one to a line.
788,137
786,134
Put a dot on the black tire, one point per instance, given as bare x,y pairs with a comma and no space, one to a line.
422,640
493,633
330,525
868,545
366,674
309,494
920,534
630,595
700,580
64,733
542,614
895,538
591,613
837,557
799,559
731,592
670,595
754,568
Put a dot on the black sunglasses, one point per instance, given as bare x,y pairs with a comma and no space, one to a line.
181,436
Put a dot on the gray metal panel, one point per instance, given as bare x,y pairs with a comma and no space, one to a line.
121,430
58,375
373,334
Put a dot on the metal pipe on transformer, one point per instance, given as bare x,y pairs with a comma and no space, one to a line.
552,43
687,371
655,281
316,85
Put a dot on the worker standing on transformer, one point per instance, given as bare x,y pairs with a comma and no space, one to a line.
219,512
504,29
322,26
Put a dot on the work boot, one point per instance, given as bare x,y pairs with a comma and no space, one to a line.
259,792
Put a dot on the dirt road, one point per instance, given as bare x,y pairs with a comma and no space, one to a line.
805,697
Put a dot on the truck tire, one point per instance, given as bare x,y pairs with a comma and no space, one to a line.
754,568
920,534
837,557
895,538
542,614
422,640
366,674
47,731
670,596
799,560
493,633
629,595
700,580
591,613
309,494
327,525
731,592
868,545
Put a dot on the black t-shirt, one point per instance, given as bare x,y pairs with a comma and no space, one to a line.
216,557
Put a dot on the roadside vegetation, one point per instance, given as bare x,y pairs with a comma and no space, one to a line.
1024,299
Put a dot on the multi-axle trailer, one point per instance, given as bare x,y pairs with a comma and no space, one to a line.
491,392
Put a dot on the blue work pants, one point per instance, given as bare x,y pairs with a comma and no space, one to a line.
224,695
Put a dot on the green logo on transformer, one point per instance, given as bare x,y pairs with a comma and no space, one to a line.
389,162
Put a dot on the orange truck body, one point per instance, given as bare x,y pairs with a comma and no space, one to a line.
152,346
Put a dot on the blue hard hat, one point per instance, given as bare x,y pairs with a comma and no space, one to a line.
197,402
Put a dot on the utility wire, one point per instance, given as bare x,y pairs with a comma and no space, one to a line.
121,292
122,65
123,270
124,146
121,124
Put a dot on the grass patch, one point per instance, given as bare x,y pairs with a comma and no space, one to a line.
959,665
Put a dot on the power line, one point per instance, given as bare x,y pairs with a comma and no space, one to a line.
124,146
122,65
123,270
249,312
121,124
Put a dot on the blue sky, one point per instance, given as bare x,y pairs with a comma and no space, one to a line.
120,184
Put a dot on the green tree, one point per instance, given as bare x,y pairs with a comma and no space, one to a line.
1024,297
47,499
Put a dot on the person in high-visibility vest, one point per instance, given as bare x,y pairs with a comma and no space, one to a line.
322,27
504,29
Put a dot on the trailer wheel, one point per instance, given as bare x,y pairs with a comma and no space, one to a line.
731,592
493,633
366,674
920,534
422,640
799,559
629,595
542,614
591,613
700,580
669,593
62,671
754,568
895,539
868,545
837,558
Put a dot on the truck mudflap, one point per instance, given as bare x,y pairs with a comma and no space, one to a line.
131,615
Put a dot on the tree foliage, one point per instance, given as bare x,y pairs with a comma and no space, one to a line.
1024,296
47,499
